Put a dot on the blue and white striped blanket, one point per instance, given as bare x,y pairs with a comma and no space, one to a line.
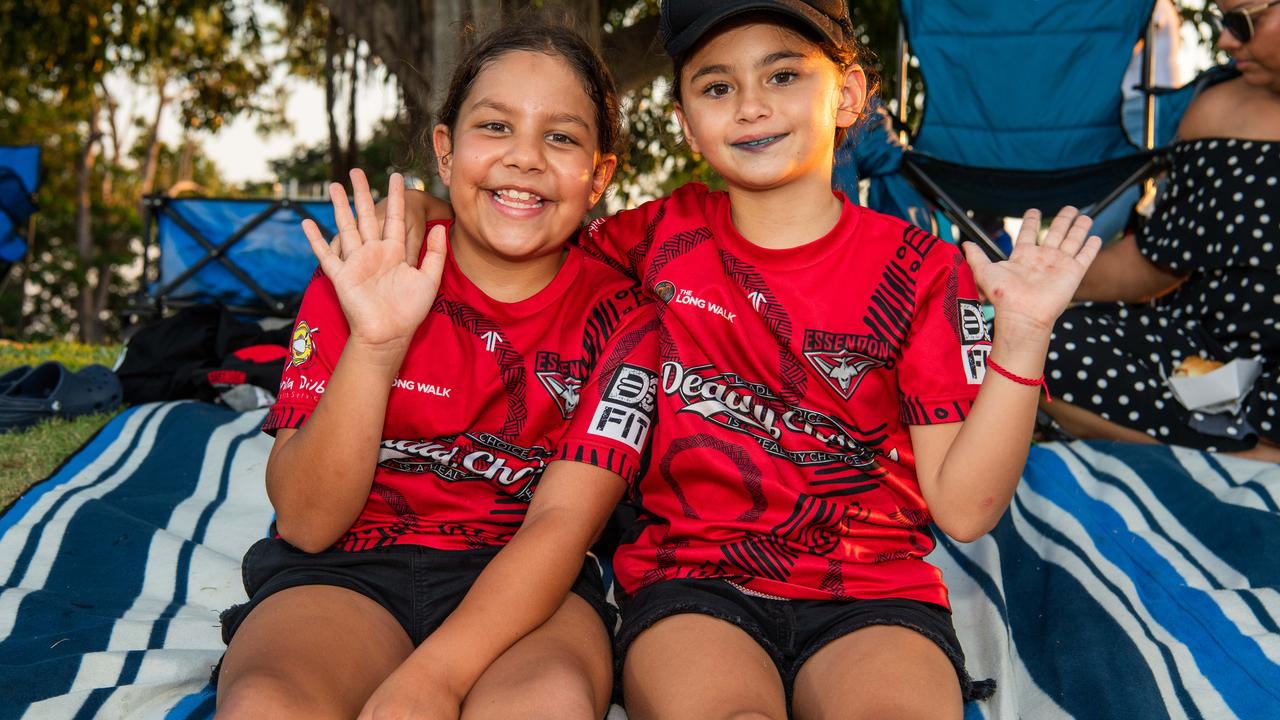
1125,582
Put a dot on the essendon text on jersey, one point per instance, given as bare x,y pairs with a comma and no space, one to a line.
783,430
562,379
843,359
480,456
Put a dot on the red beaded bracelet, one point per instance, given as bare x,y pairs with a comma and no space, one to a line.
1021,380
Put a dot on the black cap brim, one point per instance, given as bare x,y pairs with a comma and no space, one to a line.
680,43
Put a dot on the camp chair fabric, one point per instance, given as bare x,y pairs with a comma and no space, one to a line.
1023,85
1023,106
249,255
19,180
1023,101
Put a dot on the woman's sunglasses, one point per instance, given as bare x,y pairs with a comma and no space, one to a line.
1239,22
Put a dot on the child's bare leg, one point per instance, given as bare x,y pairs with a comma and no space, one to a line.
880,671
700,668
562,670
1263,452
314,651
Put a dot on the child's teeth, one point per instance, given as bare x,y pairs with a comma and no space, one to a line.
525,198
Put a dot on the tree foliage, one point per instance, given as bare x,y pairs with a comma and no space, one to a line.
61,62
64,67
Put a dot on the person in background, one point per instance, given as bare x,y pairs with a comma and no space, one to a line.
1199,284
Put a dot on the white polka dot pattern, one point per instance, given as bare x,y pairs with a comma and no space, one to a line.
1217,221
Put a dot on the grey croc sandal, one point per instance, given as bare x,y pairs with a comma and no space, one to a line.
50,390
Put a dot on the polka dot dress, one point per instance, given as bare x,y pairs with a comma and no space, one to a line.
1219,220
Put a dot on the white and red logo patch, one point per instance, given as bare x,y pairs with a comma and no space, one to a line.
842,359
562,379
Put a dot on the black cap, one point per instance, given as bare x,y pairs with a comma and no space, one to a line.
684,22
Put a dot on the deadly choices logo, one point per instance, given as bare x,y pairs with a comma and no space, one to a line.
796,434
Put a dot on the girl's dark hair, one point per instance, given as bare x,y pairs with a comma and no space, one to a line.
534,32
845,55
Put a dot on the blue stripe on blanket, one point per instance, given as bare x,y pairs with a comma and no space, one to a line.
1126,581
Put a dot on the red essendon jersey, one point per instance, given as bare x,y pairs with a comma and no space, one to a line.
488,394
781,459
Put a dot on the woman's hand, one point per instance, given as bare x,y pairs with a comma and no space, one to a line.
385,294
1032,288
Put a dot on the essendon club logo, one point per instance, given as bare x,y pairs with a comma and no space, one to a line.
843,360
562,380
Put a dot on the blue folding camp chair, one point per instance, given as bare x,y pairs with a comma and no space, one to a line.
19,179
247,255
1023,106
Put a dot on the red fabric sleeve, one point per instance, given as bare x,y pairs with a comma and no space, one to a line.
611,427
319,335
944,357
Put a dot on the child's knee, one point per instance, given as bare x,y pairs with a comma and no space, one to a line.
263,695
555,691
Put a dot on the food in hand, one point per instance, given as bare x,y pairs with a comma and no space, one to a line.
1196,366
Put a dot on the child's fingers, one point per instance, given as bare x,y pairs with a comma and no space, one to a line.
1089,252
1030,231
329,263
433,259
368,219
976,257
348,232
393,228
1059,227
1077,235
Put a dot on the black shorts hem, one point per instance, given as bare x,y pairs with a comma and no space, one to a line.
719,599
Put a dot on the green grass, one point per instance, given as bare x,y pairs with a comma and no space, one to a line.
29,456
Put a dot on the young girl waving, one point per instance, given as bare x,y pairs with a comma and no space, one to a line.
828,389
424,397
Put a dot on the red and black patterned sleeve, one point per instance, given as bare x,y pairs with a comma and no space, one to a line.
319,334
944,356
617,408
623,239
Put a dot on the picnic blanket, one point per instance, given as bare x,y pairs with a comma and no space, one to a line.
1125,581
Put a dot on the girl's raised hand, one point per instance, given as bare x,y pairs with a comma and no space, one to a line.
1032,288
385,294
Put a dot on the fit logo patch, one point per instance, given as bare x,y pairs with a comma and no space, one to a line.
842,359
625,413
973,325
976,339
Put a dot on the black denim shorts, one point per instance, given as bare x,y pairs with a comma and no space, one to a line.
791,631
419,586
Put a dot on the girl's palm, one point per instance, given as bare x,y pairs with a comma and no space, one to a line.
1036,283
384,295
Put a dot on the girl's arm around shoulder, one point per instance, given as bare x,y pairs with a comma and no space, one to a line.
968,471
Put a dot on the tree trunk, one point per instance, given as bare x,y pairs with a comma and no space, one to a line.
353,83
331,58
420,42
152,158
186,160
102,292
112,158
87,309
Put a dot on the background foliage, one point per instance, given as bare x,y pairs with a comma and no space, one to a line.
68,68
